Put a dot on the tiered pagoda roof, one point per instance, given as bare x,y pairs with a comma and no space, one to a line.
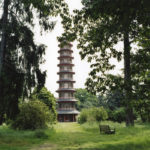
66,100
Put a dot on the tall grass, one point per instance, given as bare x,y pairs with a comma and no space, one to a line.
18,140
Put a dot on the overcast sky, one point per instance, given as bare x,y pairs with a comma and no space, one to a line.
81,68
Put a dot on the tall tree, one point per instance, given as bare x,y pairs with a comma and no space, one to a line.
98,28
20,55
140,72
4,27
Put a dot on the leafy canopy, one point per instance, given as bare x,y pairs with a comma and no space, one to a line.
98,27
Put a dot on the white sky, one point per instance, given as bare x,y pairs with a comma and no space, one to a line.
50,40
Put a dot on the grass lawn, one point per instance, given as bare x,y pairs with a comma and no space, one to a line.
17,140
72,136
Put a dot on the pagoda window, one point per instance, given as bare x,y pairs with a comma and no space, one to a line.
70,85
66,85
61,85
69,76
66,95
61,61
61,95
70,94
65,76
62,67
61,76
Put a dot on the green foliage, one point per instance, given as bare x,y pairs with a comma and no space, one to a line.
100,114
83,116
143,109
73,135
87,137
118,115
22,56
92,114
46,97
85,99
98,27
112,100
141,76
19,140
40,134
33,115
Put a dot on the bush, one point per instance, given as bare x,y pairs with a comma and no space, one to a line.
47,98
117,115
83,116
40,134
33,115
92,114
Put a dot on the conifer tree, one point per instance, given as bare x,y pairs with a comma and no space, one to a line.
20,56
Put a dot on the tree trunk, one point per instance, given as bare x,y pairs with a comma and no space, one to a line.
1,118
127,81
4,28
2,50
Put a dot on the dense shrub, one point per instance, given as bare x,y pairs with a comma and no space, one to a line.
117,115
46,97
92,114
101,114
33,115
83,116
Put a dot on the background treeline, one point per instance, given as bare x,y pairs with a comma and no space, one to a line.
111,105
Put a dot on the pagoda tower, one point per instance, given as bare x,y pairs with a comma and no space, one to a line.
66,101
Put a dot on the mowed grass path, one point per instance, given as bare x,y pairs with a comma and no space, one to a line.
72,136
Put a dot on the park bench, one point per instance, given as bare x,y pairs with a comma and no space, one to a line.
106,129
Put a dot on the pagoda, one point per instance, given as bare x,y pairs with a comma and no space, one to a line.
66,101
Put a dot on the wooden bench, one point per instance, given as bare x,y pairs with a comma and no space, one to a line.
106,129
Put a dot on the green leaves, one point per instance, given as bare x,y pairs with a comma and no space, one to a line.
92,114
33,115
85,99
23,55
46,97
98,27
